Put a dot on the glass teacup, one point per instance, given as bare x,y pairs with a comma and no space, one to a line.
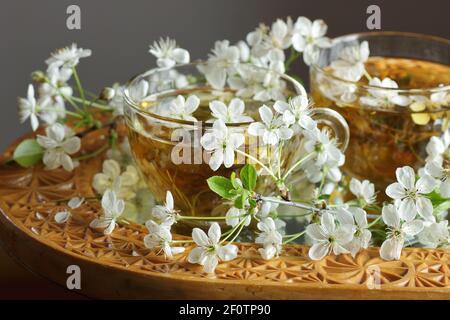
385,137
167,149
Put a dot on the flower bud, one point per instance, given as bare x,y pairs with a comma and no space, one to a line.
107,93
38,76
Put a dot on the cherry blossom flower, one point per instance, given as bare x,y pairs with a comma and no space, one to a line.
160,237
112,210
270,238
273,85
168,53
59,143
28,108
328,170
275,42
166,213
319,141
410,195
363,190
112,177
357,218
308,36
52,95
350,64
137,91
222,62
255,37
436,170
435,234
269,210
248,81
235,216
209,250
233,113
272,129
328,237
67,57
384,98
296,111
401,224
181,108
438,147
223,143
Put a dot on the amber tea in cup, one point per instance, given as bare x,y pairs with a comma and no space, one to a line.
167,150
385,138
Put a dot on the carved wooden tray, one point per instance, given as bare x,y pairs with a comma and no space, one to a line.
119,266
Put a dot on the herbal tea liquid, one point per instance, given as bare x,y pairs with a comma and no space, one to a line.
383,140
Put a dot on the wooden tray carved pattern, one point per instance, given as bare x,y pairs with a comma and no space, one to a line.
119,266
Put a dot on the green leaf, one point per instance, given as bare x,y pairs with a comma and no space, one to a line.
222,186
252,203
443,206
239,202
28,153
248,177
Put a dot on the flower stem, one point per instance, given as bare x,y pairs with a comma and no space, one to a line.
367,75
207,218
292,237
182,241
294,215
374,222
299,162
93,154
324,178
73,114
239,226
292,57
94,104
290,203
260,163
280,152
78,83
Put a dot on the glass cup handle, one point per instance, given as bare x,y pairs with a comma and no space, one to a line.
332,119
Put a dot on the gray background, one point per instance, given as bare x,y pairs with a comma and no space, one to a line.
119,32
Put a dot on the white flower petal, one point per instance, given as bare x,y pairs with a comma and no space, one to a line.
319,250
406,177
214,233
390,216
391,249
62,217
200,237
210,264
412,228
395,191
197,255
227,252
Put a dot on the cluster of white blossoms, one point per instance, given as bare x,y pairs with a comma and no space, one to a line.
59,144
413,217
50,106
254,67
278,125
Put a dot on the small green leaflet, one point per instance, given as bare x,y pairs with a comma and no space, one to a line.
248,177
28,153
222,186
